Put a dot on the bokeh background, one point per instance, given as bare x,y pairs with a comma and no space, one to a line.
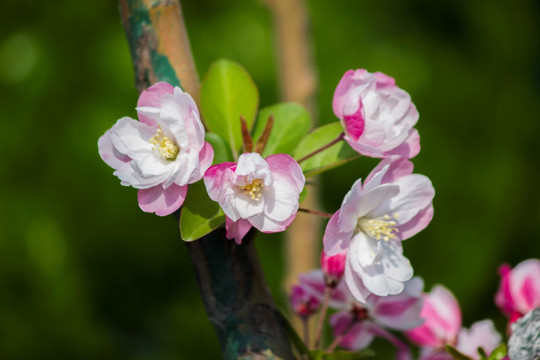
84,274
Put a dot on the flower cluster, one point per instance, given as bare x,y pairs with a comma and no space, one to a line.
165,151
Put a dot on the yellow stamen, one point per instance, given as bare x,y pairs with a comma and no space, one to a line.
254,189
166,147
379,228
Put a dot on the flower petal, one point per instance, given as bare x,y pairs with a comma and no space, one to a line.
236,229
109,154
335,241
151,98
267,225
161,201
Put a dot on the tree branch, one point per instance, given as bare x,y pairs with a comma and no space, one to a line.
230,279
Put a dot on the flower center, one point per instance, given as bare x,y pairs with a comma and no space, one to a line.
166,147
254,189
379,228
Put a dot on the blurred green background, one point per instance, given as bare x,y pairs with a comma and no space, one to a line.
84,274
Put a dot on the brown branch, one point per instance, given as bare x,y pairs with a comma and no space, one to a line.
230,279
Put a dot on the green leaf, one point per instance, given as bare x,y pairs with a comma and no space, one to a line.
327,159
291,123
499,353
228,92
456,354
348,355
222,151
200,215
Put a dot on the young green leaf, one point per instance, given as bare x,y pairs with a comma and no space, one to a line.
334,156
291,123
228,92
499,353
200,215
222,151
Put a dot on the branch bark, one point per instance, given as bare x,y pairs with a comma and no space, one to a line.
230,279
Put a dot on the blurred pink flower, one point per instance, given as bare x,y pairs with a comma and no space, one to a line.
360,323
378,116
442,320
481,334
392,205
256,192
519,289
163,152
442,326
303,303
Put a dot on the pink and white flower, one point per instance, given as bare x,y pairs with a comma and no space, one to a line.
257,192
442,321
378,116
163,152
360,323
442,326
519,289
481,334
392,205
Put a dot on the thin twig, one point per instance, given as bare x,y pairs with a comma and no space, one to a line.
322,315
305,325
341,336
333,142
315,212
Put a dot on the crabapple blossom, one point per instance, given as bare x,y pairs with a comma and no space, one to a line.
257,192
163,152
519,289
442,320
392,205
358,324
481,334
305,297
442,326
378,117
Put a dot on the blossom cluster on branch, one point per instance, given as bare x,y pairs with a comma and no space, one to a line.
365,278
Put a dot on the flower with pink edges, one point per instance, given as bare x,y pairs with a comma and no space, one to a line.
163,152
442,322
442,326
392,205
257,192
358,324
378,117
519,289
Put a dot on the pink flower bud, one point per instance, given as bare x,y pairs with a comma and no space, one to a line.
519,289
333,267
